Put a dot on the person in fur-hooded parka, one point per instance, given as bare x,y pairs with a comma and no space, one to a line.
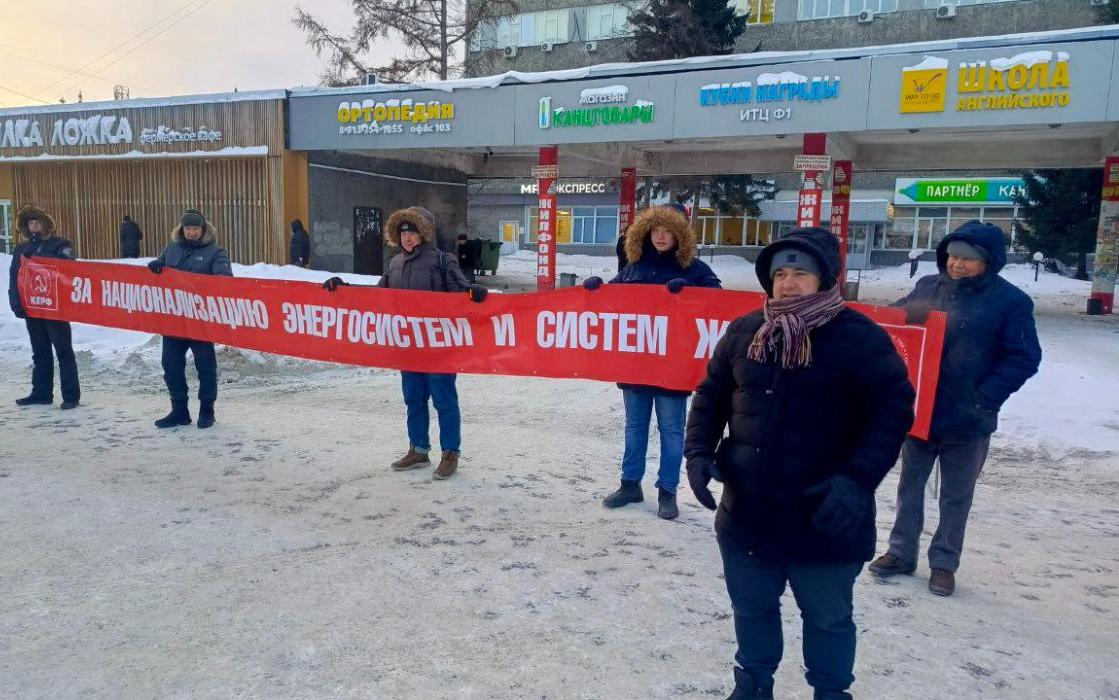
40,241
661,249
421,267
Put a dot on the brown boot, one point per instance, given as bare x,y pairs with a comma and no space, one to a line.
447,465
412,460
942,582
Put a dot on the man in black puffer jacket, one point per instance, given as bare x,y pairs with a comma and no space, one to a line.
37,228
990,350
193,248
818,403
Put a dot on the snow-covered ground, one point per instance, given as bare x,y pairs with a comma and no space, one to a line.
277,556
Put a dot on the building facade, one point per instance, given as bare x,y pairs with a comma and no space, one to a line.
886,223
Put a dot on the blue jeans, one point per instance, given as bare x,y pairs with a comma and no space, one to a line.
670,423
823,592
418,387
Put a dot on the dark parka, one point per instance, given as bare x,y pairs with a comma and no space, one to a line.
300,244
990,343
202,257
647,265
426,268
130,237
792,429
44,245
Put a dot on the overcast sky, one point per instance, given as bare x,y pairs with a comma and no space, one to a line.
205,46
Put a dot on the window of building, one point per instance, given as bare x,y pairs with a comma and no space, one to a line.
924,227
528,29
756,11
823,9
933,4
508,31
594,225
608,21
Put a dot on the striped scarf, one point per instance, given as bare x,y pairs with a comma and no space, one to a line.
788,321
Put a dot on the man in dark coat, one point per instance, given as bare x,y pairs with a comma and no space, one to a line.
193,249
38,230
990,350
130,237
661,250
300,244
817,403
420,266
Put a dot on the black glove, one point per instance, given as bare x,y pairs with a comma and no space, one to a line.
477,293
592,283
26,253
701,470
675,285
334,283
156,266
20,313
844,506
917,311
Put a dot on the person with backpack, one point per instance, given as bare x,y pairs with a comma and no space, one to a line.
422,267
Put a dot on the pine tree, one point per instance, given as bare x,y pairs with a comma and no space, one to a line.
1061,209
669,29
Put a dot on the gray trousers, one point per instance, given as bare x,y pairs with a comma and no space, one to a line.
961,461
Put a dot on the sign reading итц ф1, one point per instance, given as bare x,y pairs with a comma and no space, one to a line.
635,334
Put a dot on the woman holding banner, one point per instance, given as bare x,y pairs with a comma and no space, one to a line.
818,403
660,249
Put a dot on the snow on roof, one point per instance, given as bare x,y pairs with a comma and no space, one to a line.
148,102
607,70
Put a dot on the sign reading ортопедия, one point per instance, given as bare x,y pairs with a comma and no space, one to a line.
957,191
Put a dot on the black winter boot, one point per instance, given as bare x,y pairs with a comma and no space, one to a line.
628,492
206,414
34,400
666,505
746,687
179,415
831,695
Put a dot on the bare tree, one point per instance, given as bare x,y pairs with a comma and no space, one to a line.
432,32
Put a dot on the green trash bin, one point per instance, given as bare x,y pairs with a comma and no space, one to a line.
489,252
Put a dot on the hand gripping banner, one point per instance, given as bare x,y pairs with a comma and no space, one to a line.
638,334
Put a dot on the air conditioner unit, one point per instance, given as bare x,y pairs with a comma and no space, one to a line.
590,46
510,51
946,11
547,47
866,17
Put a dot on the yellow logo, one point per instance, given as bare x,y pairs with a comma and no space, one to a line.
924,86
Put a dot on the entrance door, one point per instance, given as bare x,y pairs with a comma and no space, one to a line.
368,241
6,242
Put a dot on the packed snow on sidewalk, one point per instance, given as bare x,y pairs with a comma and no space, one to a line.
277,556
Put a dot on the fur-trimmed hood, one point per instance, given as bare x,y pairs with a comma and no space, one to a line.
26,214
417,216
642,228
209,235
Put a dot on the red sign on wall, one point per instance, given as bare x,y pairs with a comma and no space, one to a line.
546,221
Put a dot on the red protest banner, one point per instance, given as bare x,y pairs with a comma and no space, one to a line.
621,333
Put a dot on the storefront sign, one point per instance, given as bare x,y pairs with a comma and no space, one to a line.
604,106
620,333
345,119
547,219
1052,83
569,188
970,191
394,116
796,98
93,130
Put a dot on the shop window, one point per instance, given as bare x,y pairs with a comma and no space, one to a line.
900,236
731,230
509,231
563,225
962,215
608,21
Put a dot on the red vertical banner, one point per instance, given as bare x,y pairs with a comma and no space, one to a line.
546,174
841,212
811,198
627,199
1106,268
